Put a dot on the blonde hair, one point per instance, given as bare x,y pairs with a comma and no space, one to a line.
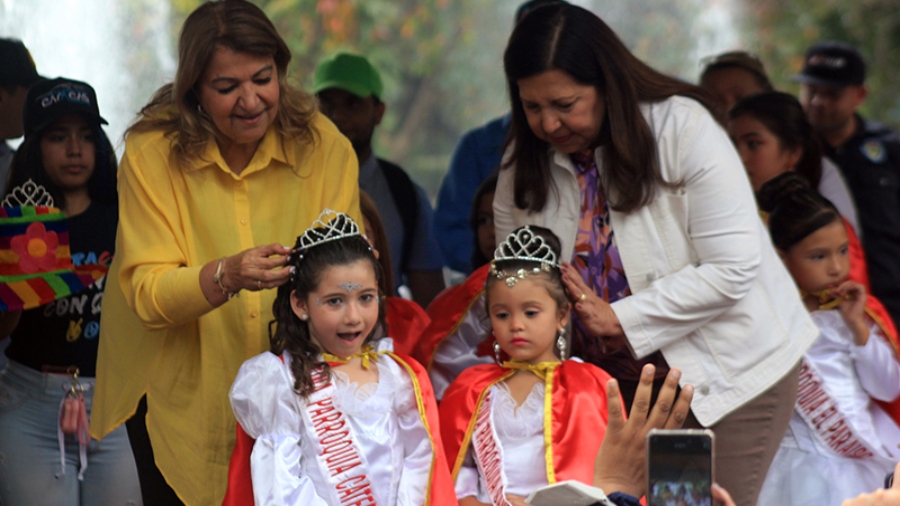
242,27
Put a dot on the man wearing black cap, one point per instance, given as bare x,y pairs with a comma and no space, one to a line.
831,89
17,73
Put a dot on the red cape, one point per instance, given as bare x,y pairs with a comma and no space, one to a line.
578,416
406,321
442,493
446,312
874,308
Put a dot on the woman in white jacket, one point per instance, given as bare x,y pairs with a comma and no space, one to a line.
669,261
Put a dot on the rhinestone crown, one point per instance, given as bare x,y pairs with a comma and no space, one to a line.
322,231
523,245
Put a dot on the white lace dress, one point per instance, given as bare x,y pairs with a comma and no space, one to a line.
807,472
521,436
286,465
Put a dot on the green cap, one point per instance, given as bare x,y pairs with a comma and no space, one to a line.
348,72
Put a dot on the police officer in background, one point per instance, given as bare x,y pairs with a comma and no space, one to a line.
832,88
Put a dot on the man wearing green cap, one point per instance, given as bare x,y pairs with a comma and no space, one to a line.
349,90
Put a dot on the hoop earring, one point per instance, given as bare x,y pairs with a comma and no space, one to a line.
497,352
200,109
561,343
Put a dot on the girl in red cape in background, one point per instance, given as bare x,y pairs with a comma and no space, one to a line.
457,335
405,319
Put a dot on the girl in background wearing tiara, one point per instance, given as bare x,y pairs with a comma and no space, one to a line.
839,442
336,416
493,416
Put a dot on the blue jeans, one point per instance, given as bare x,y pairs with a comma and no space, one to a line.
29,448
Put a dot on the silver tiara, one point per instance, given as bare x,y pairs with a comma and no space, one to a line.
28,194
325,230
525,246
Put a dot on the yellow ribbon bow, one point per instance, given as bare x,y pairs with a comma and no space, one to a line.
540,370
826,301
368,353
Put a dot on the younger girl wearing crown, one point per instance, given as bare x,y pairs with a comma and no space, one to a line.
337,417
839,443
512,427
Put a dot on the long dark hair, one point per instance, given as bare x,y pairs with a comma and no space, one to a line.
783,115
290,332
569,38
28,163
795,210
379,238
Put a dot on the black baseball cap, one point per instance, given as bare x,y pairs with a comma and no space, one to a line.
51,99
834,64
16,65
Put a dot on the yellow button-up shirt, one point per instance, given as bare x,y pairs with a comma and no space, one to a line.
159,335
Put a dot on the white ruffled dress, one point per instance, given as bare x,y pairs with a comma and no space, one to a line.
520,432
805,471
384,418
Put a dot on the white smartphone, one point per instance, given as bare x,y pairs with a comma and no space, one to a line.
680,466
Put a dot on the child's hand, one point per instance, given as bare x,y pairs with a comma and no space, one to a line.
880,497
721,496
852,307
516,500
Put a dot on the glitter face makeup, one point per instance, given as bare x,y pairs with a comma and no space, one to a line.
350,287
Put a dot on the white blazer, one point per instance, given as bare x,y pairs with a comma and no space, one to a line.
708,289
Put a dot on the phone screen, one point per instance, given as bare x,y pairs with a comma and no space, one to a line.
680,468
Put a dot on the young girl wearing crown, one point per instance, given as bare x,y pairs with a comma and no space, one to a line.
337,417
512,427
840,443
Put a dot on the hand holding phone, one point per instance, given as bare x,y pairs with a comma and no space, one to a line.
680,466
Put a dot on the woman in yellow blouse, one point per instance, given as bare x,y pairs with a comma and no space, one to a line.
223,166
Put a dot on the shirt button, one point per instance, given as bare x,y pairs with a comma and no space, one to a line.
243,221
253,315
704,389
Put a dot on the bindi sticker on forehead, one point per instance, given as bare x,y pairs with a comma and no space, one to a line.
350,286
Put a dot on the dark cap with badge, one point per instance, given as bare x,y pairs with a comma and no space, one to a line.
51,99
833,64
16,65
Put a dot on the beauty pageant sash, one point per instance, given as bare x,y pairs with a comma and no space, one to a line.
338,455
489,452
824,417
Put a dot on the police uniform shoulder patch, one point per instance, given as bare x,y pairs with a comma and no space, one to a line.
874,150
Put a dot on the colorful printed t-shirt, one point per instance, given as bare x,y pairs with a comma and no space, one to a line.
64,332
